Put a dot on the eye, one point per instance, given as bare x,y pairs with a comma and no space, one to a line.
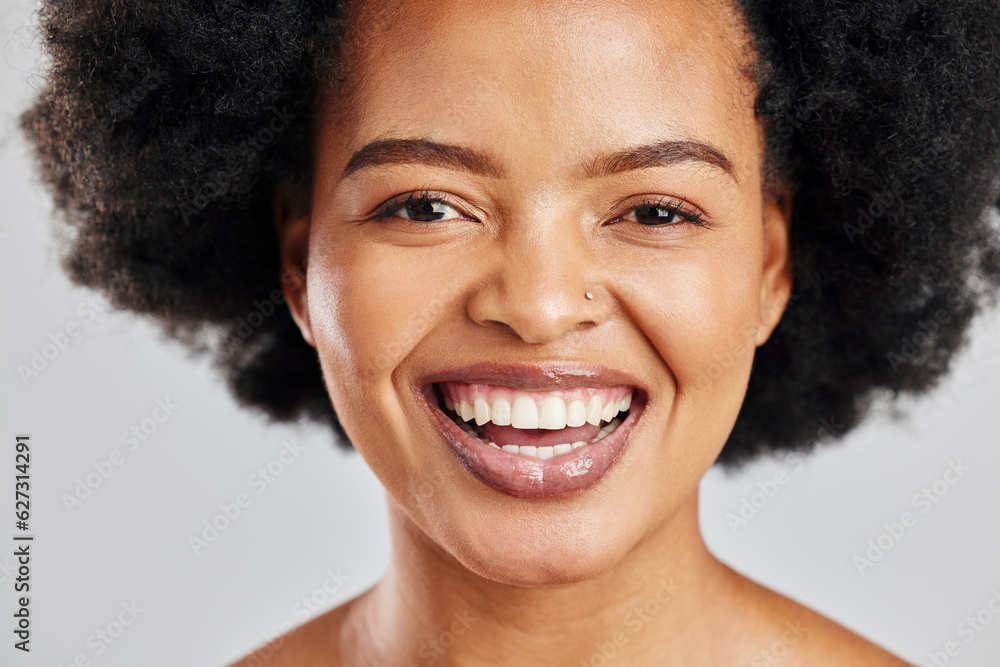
418,207
663,212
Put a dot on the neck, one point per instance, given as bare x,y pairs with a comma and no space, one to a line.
431,609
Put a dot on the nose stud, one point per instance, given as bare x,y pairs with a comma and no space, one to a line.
589,295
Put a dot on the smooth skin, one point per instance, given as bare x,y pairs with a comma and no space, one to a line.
521,119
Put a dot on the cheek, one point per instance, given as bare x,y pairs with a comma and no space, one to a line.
701,313
370,305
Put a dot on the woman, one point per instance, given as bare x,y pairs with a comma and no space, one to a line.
544,264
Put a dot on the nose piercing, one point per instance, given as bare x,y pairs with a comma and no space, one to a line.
589,295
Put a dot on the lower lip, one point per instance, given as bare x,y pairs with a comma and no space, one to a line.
526,477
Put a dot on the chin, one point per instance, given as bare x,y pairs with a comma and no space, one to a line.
542,545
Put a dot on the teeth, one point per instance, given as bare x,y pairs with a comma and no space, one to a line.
482,411
500,414
543,453
606,429
548,452
577,414
594,411
524,413
553,413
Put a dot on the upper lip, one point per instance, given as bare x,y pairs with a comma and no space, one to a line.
536,376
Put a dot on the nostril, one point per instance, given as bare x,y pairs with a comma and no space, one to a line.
536,304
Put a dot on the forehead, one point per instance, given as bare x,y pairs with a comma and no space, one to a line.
584,74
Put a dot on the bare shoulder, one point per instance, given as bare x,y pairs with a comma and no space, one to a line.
315,643
833,644
786,632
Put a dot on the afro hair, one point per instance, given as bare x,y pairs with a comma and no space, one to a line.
164,128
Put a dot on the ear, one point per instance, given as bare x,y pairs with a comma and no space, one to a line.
291,219
776,282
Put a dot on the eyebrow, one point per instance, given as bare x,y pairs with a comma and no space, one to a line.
661,154
384,152
420,151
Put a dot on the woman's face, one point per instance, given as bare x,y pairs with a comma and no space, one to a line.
553,149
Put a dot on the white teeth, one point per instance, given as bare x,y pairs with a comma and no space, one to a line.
606,429
524,413
610,410
482,411
500,414
548,452
545,453
594,409
553,413
542,453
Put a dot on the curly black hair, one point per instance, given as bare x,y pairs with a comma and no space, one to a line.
165,127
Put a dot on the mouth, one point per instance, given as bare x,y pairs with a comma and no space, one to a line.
533,432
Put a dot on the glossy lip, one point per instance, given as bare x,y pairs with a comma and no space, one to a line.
526,477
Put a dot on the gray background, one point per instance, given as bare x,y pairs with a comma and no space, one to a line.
128,542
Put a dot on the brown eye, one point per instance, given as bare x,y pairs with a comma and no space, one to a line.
655,215
420,209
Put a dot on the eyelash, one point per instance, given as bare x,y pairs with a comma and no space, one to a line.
399,202
674,207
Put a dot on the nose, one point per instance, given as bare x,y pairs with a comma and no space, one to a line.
537,284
